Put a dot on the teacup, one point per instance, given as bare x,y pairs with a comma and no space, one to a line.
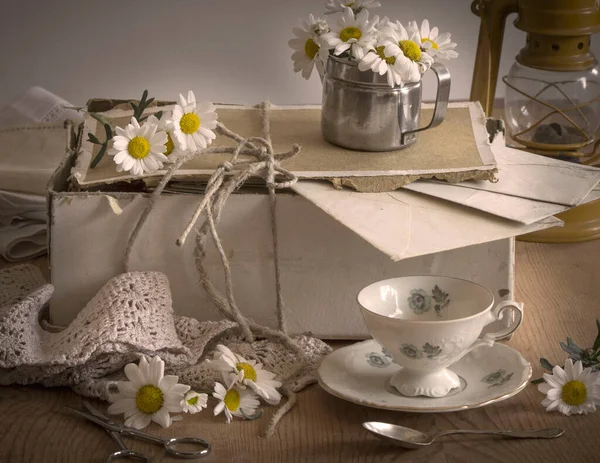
427,323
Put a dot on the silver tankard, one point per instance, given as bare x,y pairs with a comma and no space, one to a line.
362,112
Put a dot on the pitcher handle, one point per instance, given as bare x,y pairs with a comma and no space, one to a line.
441,99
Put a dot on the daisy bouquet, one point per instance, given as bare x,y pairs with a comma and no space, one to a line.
148,395
152,140
401,53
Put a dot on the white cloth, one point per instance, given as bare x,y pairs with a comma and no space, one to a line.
22,226
37,105
27,160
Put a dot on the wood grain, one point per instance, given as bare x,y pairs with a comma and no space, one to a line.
560,288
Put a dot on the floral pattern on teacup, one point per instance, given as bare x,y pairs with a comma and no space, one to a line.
497,378
378,360
421,302
431,351
413,352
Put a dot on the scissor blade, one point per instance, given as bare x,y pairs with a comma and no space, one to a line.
97,413
94,419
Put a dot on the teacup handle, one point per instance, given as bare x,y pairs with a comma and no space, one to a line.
517,308
441,99
489,338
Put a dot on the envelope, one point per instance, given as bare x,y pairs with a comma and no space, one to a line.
405,224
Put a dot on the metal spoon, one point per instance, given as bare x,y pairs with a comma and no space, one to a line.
413,439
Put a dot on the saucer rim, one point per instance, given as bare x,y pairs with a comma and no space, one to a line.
401,408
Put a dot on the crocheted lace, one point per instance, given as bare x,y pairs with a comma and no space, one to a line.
131,316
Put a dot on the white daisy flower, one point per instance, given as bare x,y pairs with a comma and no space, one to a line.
435,44
235,368
404,45
337,6
234,401
355,34
572,390
138,149
194,402
377,61
193,123
148,395
309,46
172,146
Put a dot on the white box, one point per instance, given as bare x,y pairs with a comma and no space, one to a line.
324,264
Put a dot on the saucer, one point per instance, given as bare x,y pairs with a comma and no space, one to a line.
360,373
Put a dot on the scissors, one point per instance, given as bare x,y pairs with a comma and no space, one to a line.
116,431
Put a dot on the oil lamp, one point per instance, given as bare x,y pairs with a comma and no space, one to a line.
552,99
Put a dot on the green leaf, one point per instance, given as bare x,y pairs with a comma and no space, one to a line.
158,114
99,118
144,96
538,381
99,156
133,105
93,139
597,341
572,349
546,364
149,102
108,131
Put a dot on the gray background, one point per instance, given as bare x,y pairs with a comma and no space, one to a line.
232,51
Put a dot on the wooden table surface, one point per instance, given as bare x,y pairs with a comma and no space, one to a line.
560,287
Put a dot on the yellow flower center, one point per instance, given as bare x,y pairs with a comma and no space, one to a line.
249,371
410,49
193,400
138,147
433,44
169,145
189,123
149,399
350,33
311,48
232,400
574,392
387,59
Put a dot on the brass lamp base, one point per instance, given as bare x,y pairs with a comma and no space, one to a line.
582,223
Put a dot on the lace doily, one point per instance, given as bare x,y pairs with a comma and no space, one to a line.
131,316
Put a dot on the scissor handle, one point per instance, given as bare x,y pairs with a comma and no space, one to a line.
127,454
171,444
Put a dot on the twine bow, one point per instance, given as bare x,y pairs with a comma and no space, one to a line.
229,176
260,160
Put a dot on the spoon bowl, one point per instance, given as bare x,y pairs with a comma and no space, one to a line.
412,439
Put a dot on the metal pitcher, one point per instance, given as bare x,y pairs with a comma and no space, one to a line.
362,112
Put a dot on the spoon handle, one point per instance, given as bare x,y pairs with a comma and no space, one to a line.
549,433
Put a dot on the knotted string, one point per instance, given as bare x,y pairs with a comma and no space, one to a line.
228,177
260,160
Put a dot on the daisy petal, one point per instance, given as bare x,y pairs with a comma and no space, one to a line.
142,421
167,382
120,157
219,408
121,406
162,418
133,373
